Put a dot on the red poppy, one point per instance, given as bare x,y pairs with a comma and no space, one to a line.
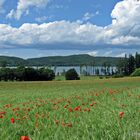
78,108
57,122
95,103
91,104
12,120
2,113
70,109
111,92
96,94
88,109
121,114
63,123
1,116
69,124
24,138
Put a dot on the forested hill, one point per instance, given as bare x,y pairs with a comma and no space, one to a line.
72,60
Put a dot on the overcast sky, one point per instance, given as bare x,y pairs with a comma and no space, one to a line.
36,28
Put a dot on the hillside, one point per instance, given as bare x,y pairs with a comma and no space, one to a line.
74,60
11,61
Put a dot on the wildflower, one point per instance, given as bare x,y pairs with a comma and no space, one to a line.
111,92
70,109
18,119
121,114
24,117
91,104
78,108
63,123
88,109
85,109
57,122
69,124
12,120
24,138
1,116
95,103
66,106
96,94
2,113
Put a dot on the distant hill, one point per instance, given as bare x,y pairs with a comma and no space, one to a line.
12,61
72,60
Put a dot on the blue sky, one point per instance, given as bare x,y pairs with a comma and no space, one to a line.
63,27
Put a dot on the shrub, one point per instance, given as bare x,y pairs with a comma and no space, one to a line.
26,74
72,75
136,72
118,76
46,74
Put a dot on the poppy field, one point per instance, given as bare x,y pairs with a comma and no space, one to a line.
92,109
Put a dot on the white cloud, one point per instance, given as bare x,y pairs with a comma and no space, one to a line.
125,26
1,6
24,5
124,31
44,18
93,53
87,16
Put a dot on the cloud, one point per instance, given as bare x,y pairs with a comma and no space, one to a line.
125,27
87,16
93,53
44,18
1,6
53,33
23,7
124,32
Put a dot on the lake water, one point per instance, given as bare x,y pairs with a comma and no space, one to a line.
89,70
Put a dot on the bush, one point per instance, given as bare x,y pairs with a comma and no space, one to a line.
72,75
46,74
26,74
118,76
136,72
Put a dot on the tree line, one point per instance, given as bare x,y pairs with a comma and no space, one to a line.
128,65
26,74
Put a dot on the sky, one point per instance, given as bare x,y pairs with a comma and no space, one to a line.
38,28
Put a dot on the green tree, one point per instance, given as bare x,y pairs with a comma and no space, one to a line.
72,75
137,60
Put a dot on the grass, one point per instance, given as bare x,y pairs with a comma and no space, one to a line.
71,110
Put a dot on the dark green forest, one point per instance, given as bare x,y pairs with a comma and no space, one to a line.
73,60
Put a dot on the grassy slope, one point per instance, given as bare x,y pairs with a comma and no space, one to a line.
102,122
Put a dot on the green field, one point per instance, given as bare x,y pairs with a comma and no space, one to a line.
89,109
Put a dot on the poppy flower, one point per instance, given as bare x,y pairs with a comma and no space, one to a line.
91,104
121,114
24,138
12,120
96,94
1,116
57,122
2,113
88,109
69,124
63,123
70,109
78,108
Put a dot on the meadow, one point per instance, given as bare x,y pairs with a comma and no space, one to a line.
88,109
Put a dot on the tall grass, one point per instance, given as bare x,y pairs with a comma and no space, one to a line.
71,110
